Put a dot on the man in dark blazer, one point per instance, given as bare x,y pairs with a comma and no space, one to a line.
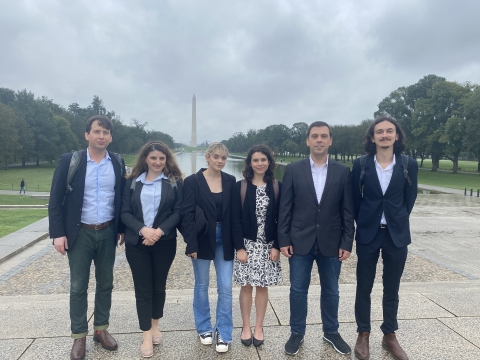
383,197
84,222
315,223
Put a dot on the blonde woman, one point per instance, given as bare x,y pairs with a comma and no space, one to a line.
209,191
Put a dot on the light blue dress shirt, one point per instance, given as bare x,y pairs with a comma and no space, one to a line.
150,197
99,195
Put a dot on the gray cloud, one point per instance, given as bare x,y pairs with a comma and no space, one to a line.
250,63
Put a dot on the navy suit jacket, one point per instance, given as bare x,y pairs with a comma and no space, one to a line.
397,203
64,216
302,220
168,213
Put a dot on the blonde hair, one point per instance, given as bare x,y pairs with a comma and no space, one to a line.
216,146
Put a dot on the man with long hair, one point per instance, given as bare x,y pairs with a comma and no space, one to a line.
384,186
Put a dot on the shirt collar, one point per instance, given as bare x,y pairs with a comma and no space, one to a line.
143,176
312,163
107,155
391,164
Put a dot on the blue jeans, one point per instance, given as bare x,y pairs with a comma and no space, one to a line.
300,274
98,246
201,305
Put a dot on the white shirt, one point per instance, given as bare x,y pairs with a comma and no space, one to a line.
319,175
384,177
99,194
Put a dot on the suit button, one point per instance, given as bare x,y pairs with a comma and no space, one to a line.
318,210
318,225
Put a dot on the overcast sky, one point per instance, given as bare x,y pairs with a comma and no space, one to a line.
251,63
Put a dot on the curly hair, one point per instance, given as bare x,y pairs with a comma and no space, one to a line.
171,167
371,147
248,171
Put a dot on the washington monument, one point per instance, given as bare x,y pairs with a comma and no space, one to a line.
194,122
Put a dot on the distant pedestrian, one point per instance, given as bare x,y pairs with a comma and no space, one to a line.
384,186
22,186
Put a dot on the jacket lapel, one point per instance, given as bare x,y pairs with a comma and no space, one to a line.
136,198
370,165
330,174
307,171
203,186
225,192
397,171
165,189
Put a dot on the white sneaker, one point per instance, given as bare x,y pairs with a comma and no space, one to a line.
221,346
206,339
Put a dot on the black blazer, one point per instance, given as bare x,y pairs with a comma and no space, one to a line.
196,192
244,220
302,221
168,213
64,219
397,203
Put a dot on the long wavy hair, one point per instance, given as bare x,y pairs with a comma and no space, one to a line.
248,171
171,170
398,147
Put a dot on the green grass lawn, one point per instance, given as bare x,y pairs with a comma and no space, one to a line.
13,220
21,200
449,180
37,178
448,165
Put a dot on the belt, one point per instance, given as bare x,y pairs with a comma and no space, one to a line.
383,226
97,226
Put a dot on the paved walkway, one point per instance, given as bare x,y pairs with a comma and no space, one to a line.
437,319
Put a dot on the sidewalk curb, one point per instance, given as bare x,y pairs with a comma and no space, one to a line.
20,249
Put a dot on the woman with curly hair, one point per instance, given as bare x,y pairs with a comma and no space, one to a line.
151,205
254,229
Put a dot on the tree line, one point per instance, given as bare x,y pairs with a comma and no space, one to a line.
441,120
37,129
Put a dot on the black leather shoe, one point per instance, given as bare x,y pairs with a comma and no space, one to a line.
246,342
257,342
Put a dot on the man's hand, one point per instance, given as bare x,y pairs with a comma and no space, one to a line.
343,254
61,244
274,254
287,251
148,242
159,233
242,256
121,239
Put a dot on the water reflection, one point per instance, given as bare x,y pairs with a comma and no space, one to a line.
190,163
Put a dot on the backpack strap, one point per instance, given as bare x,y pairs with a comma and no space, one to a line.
72,169
405,168
243,190
363,161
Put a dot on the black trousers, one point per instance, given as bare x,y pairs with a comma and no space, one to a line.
393,264
149,270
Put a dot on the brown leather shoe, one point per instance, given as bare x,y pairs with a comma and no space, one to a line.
78,349
105,339
391,344
362,347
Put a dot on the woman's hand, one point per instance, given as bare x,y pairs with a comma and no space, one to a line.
149,234
274,254
193,255
242,256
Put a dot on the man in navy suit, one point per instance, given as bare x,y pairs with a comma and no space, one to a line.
384,186
315,224
85,223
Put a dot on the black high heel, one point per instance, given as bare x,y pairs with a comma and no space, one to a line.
246,342
256,342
